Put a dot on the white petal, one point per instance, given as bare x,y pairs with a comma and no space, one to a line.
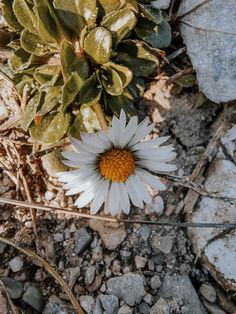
76,164
114,131
86,147
152,143
81,177
122,119
87,196
150,180
134,197
141,190
85,185
114,199
156,166
129,131
143,129
100,196
124,199
67,176
156,155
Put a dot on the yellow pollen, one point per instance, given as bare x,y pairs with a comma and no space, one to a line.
117,165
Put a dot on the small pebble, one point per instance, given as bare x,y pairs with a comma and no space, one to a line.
58,237
140,261
97,253
208,292
90,275
87,303
49,195
109,303
125,309
34,297
155,282
16,264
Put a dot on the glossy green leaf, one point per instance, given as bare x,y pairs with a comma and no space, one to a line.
199,100
32,43
151,13
187,80
98,45
18,60
9,16
24,14
72,61
71,89
125,73
111,81
30,111
91,91
136,88
52,128
51,100
158,36
140,67
109,5
120,23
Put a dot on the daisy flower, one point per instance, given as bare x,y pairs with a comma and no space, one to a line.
113,166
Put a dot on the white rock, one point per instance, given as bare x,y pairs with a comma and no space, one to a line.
209,34
161,4
16,264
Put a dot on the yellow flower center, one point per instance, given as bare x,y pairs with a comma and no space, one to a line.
117,165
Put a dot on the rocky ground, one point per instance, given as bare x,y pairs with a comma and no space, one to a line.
120,268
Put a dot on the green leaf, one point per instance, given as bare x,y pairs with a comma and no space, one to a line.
125,73
52,128
46,73
90,92
140,67
49,26
32,43
158,36
187,80
151,13
18,60
51,100
72,61
30,111
77,126
22,80
98,44
120,23
199,100
135,88
71,89
9,16
24,14
111,81
116,103
90,120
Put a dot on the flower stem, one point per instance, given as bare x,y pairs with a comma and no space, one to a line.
100,115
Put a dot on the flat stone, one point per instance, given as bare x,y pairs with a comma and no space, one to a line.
109,303
98,307
16,264
213,308
144,308
112,234
160,307
181,288
163,244
140,261
209,34
216,250
129,287
87,303
90,275
125,309
55,306
208,292
14,287
155,282
34,297
82,239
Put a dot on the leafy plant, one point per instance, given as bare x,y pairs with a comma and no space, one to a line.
73,54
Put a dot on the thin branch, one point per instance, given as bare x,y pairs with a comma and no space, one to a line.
74,213
207,29
198,188
49,269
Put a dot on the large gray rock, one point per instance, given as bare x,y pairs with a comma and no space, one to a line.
109,303
217,249
34,297
14,288
181,288
129,288
209,32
